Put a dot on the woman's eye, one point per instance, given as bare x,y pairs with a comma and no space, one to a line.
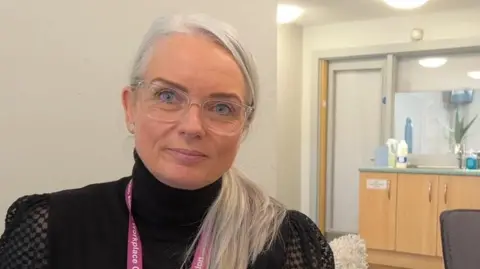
222,109
167,96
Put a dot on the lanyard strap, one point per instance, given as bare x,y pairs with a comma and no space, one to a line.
134,248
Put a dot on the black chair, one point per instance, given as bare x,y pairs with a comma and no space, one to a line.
460,231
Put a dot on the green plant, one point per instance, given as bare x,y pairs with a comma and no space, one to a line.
460,128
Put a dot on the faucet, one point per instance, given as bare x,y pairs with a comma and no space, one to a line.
460,153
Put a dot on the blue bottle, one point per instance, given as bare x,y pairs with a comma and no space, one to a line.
471,162
409,134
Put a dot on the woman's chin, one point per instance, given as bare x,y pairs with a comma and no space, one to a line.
185,179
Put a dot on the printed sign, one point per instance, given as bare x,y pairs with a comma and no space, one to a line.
377,184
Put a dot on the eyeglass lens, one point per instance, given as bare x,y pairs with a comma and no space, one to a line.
168,104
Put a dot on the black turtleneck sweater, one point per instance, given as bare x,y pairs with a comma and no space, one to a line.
168,219
87,228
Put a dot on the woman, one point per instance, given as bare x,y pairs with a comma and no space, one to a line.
191,99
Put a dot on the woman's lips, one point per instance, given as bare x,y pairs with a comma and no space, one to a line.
187,156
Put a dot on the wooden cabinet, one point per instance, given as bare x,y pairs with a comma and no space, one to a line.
457,192
417,214
399,215
377,221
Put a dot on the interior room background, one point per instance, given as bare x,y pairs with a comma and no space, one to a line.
62,67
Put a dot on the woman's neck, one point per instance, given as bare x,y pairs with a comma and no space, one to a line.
160,204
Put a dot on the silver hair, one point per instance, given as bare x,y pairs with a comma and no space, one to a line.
220,32
243,221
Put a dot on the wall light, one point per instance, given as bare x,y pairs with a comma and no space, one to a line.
405,4
474,74
432,62
288,13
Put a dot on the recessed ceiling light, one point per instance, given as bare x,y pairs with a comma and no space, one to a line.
474,74
405,4
432,62
288,13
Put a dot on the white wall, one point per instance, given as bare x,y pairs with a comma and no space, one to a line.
448,25
289,98
62,67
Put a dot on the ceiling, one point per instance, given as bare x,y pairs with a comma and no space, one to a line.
318,12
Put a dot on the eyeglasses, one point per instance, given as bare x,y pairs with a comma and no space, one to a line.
167,104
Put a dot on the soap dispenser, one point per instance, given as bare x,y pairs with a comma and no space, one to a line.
392,152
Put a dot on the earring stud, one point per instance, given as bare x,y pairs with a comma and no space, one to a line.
131,128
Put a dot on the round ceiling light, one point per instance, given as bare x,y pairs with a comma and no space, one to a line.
405,4
432,62
288,13
474,74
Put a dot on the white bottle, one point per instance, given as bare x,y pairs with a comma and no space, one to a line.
402,153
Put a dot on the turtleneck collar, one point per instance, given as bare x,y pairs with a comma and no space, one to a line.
160,204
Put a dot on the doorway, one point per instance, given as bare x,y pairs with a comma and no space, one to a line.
352,112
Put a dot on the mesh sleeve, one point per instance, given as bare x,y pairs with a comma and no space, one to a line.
24,241
306,247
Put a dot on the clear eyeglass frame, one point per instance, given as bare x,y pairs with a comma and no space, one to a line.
225,129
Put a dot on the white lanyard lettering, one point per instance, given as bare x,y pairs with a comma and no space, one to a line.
134,249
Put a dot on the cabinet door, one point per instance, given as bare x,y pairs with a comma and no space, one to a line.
417,203
377,210
456,192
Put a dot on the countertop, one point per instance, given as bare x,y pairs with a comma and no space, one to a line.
431,171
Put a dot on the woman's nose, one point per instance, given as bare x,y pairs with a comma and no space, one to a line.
191,122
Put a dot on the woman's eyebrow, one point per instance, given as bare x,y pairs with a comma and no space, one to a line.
185,89
170,84
225,95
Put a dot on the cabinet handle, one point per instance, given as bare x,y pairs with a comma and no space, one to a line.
445,192
430,191
388,189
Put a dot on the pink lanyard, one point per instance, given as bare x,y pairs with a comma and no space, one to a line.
135,258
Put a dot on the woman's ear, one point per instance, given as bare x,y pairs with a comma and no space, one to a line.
244,134
128,102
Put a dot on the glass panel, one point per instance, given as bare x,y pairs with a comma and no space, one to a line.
438,73
430,91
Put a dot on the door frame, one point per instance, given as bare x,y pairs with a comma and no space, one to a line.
313,155
327,125
323,76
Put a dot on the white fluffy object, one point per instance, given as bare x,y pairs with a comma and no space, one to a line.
350,252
